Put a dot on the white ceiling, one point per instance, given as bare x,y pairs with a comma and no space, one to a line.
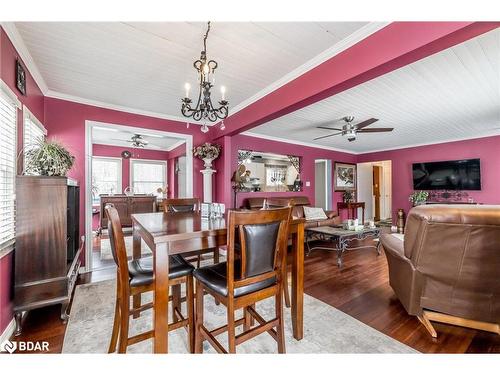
114,137
145,65
454,94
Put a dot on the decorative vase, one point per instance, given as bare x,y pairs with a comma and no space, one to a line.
400,223
208,162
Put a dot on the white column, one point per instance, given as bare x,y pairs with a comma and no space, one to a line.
207,184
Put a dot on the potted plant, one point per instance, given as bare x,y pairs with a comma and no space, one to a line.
418,197
348,196
207,152
48,158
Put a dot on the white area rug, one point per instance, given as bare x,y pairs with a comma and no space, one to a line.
106,253
326,329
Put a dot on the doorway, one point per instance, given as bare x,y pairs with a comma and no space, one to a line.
139,169
181,177
323,184
375,189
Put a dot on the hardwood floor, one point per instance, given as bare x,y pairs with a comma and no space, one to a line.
360,289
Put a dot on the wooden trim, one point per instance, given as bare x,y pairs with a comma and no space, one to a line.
463,322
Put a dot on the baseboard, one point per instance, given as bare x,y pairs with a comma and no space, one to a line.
8,331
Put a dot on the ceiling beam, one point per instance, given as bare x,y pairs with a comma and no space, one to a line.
394,46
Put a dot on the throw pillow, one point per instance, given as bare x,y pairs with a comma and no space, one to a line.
314,213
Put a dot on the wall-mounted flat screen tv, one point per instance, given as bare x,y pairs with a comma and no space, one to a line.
447,175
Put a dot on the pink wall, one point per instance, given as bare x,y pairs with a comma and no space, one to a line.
486,149
65,121
34,100
241,142
137,153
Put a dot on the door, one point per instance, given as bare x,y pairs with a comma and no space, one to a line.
181,177
365,188
319,184
377,174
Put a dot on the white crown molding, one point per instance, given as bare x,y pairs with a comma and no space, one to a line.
339,47
294,142
493,133
18,43
115,107
8,331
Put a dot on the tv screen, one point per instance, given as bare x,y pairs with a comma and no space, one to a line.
447,175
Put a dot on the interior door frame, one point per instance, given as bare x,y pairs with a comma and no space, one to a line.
328,181
89,125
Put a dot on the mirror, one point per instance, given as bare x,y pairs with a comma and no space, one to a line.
267,172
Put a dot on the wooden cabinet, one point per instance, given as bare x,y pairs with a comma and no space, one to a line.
46,250
126,206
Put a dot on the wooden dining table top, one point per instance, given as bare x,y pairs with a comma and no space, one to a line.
178,226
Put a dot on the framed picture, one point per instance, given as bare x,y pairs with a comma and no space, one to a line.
345,177
20,77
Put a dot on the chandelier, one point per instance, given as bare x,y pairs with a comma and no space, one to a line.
204,110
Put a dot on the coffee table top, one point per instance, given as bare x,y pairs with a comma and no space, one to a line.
337,231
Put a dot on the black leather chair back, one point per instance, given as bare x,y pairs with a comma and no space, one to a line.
260,243
181,205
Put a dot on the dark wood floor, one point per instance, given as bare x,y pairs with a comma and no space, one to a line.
360,289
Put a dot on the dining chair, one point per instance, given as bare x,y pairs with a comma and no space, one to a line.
182,205
260,239
136,277
276,203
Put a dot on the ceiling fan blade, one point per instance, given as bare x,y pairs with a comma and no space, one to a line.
375,130
324,127
326,136
365,123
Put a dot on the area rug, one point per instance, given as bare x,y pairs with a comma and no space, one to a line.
106,248
326,329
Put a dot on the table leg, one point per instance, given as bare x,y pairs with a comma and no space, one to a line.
136,254
160,298
363,214
298,282
340,251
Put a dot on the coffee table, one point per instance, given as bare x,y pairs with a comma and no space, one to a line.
342,237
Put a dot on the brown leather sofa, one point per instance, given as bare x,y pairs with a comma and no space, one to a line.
447,269
298,203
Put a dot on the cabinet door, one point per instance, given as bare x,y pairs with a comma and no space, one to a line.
142,205
121,205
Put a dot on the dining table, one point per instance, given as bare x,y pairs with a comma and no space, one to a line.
167,234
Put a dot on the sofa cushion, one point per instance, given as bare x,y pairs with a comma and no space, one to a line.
314,213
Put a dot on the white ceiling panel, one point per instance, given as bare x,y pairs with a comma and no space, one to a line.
454,94
145,65
114,137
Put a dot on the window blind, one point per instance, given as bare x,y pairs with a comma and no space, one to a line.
33,132
8,122
148,176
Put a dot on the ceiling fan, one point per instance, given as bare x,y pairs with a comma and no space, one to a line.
351,131
136,140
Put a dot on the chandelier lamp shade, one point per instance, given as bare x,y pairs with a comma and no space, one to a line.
204,110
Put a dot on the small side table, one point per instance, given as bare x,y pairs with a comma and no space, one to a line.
352,207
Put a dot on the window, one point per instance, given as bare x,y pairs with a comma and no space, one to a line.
147,176
8,131
33,131
106,176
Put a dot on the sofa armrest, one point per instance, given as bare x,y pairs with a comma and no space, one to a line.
403,277
393,245
331,214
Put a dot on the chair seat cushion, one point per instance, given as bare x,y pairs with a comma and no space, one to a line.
213,277
141,270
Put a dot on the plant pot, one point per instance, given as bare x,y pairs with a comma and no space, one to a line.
208,162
